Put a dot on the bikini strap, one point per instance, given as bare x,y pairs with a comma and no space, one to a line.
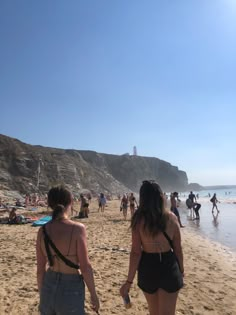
48,242
70,239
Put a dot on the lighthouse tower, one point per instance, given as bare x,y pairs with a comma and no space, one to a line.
135,150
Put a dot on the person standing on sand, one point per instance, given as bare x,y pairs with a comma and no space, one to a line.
174,208
62,244
156,252
214,203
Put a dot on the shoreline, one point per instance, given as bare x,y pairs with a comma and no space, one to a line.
210,269
210,273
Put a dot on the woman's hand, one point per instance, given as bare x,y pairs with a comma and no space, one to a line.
95,302
124,290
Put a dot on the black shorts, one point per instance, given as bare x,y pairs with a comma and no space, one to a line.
159,271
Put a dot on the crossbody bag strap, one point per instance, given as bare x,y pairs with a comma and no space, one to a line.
168,239
48,241
171,245
49,254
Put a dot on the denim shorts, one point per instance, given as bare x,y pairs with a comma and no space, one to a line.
62,294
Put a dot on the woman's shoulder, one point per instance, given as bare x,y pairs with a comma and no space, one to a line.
171,218
79,227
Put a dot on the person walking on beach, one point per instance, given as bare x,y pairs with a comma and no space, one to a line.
214,203
174,209
132,203
156,252
124,205
62,245
102,202
84,207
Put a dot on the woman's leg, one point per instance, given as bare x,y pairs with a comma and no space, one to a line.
161,302
152,300
166,302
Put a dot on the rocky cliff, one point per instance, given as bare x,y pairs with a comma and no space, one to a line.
27,168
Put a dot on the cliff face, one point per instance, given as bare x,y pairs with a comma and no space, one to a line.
26,168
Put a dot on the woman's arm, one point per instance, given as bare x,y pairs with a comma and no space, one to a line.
177,247
41,260
134,259
85,265
135,254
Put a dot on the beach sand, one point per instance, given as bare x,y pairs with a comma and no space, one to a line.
210,269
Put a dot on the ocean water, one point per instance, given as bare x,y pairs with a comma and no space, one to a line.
220,228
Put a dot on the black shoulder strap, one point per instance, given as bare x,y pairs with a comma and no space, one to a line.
48,242
168,239
171,245
49,254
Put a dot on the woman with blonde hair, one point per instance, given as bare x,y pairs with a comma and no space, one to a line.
62,244
156,252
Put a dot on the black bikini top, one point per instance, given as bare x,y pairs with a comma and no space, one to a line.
48,242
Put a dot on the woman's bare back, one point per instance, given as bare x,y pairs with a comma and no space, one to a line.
159,243
65,235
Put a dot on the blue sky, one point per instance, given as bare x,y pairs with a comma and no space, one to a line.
110,74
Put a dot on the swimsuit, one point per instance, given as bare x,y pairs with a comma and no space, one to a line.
159,271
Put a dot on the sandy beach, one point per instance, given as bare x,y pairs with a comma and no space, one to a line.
210,269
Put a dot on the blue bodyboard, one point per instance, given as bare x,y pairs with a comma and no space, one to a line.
42,221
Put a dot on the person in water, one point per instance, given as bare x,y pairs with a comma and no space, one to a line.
156,252
174,208
214,201
62,244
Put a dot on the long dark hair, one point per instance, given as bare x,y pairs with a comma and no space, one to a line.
58,199
151,208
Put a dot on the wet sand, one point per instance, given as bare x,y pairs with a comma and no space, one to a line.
210,269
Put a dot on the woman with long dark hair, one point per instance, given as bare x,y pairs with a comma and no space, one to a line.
62,244
156,252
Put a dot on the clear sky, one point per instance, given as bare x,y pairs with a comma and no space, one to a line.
106,75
